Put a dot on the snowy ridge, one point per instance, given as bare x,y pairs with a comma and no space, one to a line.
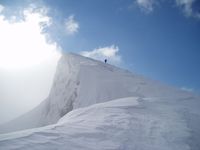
133,112
80,82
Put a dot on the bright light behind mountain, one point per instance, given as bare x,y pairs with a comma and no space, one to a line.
23,43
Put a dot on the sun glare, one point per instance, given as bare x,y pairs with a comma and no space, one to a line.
22,43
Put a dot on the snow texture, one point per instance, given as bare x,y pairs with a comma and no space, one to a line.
93,105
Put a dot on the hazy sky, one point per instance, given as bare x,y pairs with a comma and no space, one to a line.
157,38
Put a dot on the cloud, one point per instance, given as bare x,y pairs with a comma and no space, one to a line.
71,25
24,42
1,8
187,89
27,60
109,52
187,8
146,5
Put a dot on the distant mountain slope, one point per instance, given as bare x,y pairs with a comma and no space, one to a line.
81,82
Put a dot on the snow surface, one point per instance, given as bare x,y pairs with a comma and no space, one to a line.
132,112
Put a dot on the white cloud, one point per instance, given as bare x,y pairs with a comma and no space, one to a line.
23,42
71,25
186,6
1,8
146,5
187,89
27,61
110,53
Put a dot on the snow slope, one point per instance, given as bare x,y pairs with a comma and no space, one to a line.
81,82
149,115
131,123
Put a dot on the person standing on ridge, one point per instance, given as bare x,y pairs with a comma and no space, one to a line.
105,61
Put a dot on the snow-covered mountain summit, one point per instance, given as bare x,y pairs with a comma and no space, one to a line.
80,82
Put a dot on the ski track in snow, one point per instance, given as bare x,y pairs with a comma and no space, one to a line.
143,114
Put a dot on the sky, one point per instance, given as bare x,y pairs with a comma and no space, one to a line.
159,39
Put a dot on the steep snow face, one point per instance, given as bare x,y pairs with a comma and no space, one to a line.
81,82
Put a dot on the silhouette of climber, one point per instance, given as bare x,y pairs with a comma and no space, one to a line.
105,60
